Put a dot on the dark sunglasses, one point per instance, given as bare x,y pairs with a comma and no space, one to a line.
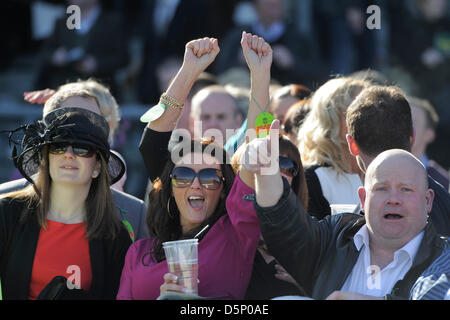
209,178
288,167
78,149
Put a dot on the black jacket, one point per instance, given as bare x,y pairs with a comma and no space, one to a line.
18,242
321,254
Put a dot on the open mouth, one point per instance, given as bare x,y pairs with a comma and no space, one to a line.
196,202
68,167
393,216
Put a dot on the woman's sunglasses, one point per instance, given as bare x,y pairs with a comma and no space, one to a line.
79,150
288,167
209,178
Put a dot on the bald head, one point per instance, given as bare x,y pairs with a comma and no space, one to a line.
397,158
216,109
395,198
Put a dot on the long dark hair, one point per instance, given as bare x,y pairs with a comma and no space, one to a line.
163,216
101,220
298,184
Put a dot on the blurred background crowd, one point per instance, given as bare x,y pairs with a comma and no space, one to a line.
134,47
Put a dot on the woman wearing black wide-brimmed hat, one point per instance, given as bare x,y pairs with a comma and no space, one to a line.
60,237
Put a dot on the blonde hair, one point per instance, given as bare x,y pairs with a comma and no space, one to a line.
54,102
319,137
106,102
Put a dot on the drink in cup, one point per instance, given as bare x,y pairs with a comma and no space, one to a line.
182,260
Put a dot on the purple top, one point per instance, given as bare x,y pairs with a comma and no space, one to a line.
225,255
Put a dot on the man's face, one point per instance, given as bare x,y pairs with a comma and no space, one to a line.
395,200
215,111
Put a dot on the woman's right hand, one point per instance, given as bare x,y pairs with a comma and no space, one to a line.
171,285
40,96
199,54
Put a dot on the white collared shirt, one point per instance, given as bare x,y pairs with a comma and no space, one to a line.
368,279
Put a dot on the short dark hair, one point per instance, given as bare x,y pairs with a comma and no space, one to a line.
380,119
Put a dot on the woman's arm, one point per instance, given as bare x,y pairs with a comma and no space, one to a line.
198,55
258,55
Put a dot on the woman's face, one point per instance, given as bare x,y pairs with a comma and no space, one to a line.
195,202
72,169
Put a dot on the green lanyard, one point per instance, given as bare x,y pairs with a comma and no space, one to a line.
263,120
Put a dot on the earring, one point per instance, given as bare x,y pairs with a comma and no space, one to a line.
95,174
168,208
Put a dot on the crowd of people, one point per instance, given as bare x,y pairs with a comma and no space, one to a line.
250,145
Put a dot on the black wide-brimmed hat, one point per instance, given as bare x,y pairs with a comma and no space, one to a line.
64,125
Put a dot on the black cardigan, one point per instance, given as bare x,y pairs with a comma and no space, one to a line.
18,242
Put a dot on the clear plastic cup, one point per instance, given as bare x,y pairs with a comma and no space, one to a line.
182,260
342,208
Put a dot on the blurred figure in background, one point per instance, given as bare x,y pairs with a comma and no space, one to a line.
425,55
294,118
165,27
285,97
295,57
346,42
70,54
425,120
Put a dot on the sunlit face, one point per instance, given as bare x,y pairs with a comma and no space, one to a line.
281,106
215,111
395,199
422,134
69,168
195,203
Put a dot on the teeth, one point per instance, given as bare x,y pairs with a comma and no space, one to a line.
196,198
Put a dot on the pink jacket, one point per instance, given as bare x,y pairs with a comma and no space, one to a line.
225,255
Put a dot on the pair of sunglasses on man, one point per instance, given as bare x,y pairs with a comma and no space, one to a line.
79,150
211,179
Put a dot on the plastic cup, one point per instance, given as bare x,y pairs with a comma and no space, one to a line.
342,208
182,260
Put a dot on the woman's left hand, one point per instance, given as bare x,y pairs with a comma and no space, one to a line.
171,285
